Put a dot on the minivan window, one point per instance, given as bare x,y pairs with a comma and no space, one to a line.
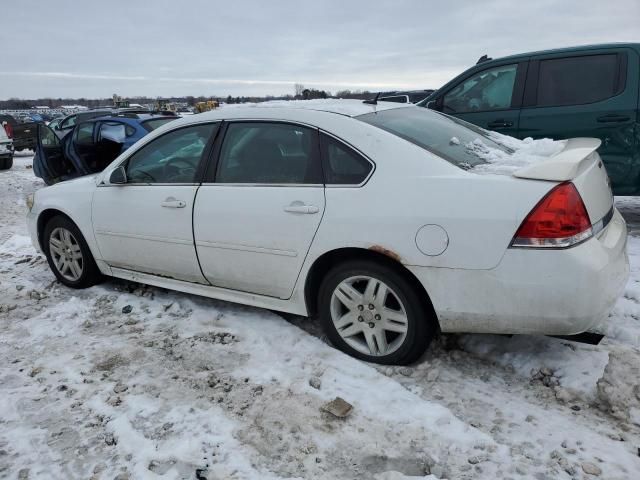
487,90
447,137
577,80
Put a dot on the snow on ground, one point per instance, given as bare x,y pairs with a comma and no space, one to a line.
187,387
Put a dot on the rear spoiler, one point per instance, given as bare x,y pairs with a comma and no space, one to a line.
564,165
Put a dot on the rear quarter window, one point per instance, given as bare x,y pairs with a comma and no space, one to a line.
341,164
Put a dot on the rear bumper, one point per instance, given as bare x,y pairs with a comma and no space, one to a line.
552,292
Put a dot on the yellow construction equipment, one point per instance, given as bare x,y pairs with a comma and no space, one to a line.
206,106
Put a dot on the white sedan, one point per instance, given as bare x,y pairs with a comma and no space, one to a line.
370,216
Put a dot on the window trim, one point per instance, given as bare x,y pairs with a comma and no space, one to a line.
211,173
530,100
351,147
200,170
516,96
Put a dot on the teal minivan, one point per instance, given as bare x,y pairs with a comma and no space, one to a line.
589,91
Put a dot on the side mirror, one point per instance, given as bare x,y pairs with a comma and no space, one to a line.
118,176
433,105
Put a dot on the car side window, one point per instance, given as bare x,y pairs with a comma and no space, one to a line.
488,90
84,134
69,122
341,164
112,131
171,158
577,80
268,153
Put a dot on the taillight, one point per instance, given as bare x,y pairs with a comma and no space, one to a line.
9,129
559,220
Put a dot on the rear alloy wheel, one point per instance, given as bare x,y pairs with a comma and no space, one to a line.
68,254
371,312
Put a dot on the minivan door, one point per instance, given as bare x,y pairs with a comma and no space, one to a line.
489,98
588,94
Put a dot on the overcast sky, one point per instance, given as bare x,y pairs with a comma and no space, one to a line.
81,48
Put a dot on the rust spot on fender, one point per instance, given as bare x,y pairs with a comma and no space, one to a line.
385,251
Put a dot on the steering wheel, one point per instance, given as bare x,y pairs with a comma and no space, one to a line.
172,168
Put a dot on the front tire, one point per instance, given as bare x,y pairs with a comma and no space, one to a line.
372,312
68,254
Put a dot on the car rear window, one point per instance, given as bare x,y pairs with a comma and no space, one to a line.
151,125
445,136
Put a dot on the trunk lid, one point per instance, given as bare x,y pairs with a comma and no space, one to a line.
579,163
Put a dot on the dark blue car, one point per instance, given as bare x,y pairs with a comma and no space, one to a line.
91,145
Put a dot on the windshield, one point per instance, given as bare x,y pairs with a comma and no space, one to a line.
452,139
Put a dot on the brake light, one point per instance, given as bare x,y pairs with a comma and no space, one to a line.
9,129
559,220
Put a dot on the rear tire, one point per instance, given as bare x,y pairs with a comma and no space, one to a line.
68,254
372,312
6,163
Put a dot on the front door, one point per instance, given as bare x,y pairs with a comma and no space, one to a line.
256,215
50,163
588,95
145,224
489,98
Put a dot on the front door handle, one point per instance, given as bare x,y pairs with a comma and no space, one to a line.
173,203
500,124
299,207
613,118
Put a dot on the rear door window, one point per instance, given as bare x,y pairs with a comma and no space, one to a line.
577,80
269,153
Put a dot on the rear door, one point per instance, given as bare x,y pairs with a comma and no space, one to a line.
489,98
588,94
256,215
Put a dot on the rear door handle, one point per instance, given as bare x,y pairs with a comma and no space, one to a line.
299,207
500,124
173,203
613,118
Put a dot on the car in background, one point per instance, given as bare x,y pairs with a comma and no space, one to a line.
411,96
6,149
67,123
22,134
589,91
368,216
91,145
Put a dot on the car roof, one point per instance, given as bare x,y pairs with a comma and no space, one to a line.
133,118
579,48
349,108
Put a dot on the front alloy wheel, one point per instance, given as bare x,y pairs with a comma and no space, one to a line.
66,254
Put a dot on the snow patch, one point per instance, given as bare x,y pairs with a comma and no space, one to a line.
520,153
